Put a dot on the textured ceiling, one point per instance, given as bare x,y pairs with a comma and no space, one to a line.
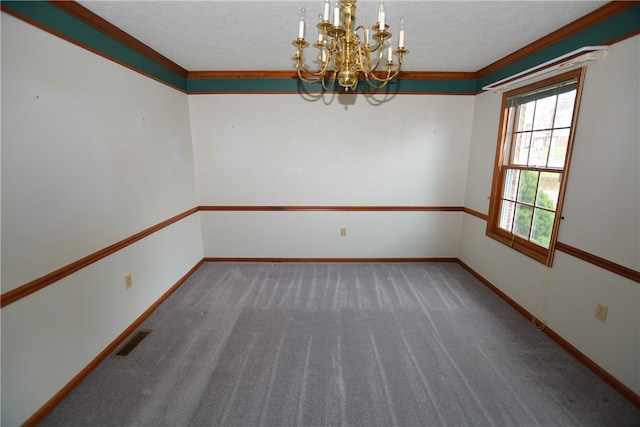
257,35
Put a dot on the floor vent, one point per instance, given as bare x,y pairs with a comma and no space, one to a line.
130,345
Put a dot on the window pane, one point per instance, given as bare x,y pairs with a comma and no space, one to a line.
522,225
525,116
506,215
540,142
545,109
559,144
564,112
511,184
548,190
527,187
521,148
542,227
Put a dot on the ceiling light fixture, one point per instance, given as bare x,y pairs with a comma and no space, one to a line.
345,52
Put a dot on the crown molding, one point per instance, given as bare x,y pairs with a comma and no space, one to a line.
241,74
607,11
88,17
283,74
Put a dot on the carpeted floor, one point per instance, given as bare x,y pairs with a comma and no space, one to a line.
389,344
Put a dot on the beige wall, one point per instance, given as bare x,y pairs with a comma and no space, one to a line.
284,150
602,217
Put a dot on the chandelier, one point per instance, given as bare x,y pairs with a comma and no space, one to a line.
346,52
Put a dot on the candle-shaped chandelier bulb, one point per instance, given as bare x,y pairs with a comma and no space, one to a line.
303,15
346,53
367,26
320,32
381,16
401,34
325,11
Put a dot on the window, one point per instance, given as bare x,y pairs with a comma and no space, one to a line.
532,159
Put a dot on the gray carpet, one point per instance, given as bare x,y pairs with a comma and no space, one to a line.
389,344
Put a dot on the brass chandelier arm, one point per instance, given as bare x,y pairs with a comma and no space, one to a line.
390,75
307,80
375,81
366,67
365,37
331,50
301,68
365,51
315,77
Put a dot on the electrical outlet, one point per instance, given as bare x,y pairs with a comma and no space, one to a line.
128,281
343,232
601,311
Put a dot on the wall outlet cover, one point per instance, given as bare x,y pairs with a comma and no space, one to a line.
601,311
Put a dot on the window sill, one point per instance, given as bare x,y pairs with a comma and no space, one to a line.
529,249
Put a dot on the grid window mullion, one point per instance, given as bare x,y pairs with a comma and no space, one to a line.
534,144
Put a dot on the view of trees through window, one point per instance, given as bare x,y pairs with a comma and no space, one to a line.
535,220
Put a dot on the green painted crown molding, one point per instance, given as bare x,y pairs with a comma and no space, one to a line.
611,23
96,35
